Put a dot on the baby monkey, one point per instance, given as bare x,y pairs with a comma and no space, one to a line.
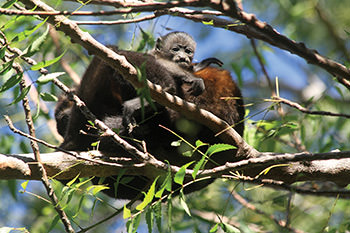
175,52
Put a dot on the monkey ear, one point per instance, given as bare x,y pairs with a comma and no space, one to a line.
159,44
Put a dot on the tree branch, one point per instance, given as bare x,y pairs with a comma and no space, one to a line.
120,63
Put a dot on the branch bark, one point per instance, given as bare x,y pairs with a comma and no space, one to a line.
288,168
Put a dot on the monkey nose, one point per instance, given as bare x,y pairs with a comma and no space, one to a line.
182,59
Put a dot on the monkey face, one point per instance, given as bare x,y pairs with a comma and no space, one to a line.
178,47
182,55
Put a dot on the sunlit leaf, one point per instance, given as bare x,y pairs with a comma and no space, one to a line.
35,47
180,175
214,228
229,228
219,148
126,212
97,188
73,180
24,184
24,34
198,166
184,204
46,63
43,79
149,196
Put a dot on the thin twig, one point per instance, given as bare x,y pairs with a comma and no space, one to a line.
35,148
121,21
307,111
250,206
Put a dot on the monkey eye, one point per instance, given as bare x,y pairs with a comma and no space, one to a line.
175,49
188,51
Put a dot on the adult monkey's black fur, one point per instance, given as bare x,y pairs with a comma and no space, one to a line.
107,94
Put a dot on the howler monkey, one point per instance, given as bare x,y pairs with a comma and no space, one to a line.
107,94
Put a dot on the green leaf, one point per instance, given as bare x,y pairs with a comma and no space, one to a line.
82,198
166,185
11,82
199,143
53,223
23,94
136,223
12,186
158,215
35,47
219,148
73,180
146,39
6,67
267,170
48,97
47,63
170,214
95,144
97,188
23,35
2,52
184,204
176,143
211,22
43,79
70,195
84,182
126,212
116,184
229,229
8,4
24,185
180,175
149,196
214,228
37,112
129,225
198,166
187,153
150,219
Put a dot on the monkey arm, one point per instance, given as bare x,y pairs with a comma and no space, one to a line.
205,63
132,112
197,84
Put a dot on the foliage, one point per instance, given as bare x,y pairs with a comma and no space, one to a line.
213,208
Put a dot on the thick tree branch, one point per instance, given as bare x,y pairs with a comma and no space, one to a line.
288,168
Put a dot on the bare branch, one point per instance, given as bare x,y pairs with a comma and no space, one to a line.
307,111
250,206
42,172
121,21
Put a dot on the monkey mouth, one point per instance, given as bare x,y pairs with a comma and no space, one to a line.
183,64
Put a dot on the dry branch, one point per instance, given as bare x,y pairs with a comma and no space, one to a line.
331,166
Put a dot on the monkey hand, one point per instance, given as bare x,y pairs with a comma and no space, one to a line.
197,86
130,108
